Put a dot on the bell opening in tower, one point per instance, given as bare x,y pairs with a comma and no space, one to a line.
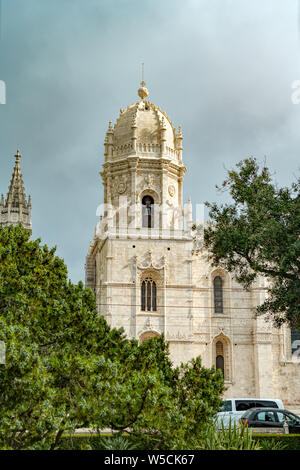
148,211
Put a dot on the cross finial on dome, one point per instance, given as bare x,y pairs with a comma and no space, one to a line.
18,155
143,91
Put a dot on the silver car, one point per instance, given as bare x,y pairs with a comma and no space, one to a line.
234,408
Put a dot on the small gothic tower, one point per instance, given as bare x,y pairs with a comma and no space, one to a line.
16,209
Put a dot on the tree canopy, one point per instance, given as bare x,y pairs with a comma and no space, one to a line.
66,368
257,235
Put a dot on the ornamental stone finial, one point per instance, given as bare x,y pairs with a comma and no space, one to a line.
134,123
163,123
143,91
18,155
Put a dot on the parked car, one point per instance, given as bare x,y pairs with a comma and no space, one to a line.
271,418
234,408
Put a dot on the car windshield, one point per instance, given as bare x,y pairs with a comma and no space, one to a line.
247,414
294,417
289,417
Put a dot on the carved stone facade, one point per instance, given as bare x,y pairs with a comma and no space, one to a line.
154,278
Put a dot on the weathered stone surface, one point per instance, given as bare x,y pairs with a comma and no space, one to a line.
143,156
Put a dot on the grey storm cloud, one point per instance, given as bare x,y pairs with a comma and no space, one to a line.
223,69
299,17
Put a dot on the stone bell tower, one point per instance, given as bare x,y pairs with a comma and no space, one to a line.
16,209
144,236
143,157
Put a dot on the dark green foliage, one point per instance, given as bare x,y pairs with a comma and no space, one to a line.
278,441
117,442
66,369
98,442
258,234
209,439
55,344
234,438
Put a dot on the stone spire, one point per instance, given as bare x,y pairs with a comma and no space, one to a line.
16,209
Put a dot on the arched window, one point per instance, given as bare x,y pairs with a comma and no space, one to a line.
148,295
148,335
218,294
295,342
148,211
220,357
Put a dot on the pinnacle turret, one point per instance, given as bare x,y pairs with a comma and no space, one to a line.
16,209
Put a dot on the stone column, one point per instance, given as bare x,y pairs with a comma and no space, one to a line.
263,363
163,139
109,146
133,222
263,357
164,184
179,147
109,260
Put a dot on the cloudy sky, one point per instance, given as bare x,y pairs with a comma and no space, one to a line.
223,69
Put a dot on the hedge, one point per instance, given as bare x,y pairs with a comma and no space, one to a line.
291,441
95,442
82,442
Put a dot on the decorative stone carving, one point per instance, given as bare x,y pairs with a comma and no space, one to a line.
177,336
149,179
147,262
119,185
222,331
198,238
147,334
122,187
171,190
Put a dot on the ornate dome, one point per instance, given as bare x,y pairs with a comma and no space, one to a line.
145,130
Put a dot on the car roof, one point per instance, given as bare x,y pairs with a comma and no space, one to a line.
269,409
254,399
